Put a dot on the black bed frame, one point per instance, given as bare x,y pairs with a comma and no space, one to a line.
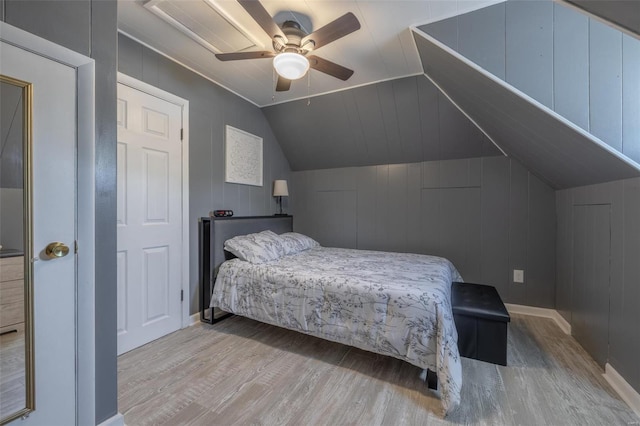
212,233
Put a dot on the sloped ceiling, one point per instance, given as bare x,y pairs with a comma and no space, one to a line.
382,49
553,86
400,121
558,152
625,13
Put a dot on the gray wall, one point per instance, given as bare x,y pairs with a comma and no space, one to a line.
400,121
581,68
11,136
613,303
11,218
11,170
89,27
210,108
588,73
488,215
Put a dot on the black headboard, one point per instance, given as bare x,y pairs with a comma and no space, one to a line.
212,233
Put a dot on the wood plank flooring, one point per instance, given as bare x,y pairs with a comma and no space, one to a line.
243,372
13,390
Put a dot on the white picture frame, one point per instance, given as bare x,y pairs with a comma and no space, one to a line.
243,157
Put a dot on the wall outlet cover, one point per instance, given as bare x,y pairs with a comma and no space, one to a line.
518,276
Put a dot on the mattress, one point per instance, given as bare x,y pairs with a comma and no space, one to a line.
395,304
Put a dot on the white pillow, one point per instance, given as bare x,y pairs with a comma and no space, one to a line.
294,242
260,247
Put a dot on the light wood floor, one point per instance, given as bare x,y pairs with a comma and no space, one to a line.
13,391
243,372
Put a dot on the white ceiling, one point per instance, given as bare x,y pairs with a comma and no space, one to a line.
382,49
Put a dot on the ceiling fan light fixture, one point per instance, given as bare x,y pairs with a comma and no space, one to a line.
290,65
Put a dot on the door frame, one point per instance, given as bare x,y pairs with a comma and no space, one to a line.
184,106
85,209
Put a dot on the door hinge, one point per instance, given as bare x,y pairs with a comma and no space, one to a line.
181,134
182,295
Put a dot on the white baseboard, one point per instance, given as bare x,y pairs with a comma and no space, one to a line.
194,319
623,388
617,382
540,312
117,420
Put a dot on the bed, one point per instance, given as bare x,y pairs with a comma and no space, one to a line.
395,304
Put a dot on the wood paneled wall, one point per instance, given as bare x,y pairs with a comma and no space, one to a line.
488,215
621,347
89,27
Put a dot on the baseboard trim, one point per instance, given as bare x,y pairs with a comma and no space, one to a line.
117,420
194,319
540,312
617,382
623,388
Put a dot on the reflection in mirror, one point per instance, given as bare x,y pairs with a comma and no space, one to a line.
16,369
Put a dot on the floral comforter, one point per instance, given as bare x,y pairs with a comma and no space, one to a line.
395,304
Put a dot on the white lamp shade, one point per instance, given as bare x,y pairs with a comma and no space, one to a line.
280,188
291,66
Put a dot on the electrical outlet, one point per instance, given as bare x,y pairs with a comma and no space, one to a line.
518,276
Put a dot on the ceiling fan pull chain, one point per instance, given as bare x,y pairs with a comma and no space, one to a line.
308,88
273,83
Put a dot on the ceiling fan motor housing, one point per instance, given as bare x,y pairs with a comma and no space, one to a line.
294,34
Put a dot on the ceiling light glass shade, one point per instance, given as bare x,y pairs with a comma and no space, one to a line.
291,66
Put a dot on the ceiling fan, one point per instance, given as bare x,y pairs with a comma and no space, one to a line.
291,45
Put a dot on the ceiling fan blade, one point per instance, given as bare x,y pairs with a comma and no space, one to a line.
244,55
262,17
283,84
342,26
328,67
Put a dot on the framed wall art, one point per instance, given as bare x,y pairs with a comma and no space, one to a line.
243,157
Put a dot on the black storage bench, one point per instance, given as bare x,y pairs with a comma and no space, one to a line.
481,319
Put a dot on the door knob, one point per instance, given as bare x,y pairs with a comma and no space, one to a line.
56,249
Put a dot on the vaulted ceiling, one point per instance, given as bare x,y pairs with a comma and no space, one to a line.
401,121
625,13
539,81
547,145
382,49
554,88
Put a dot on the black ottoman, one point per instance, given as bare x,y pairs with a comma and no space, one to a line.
481,319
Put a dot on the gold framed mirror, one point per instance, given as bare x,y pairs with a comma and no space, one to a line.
17,387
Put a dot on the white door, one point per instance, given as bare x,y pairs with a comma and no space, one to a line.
54,219
149,218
